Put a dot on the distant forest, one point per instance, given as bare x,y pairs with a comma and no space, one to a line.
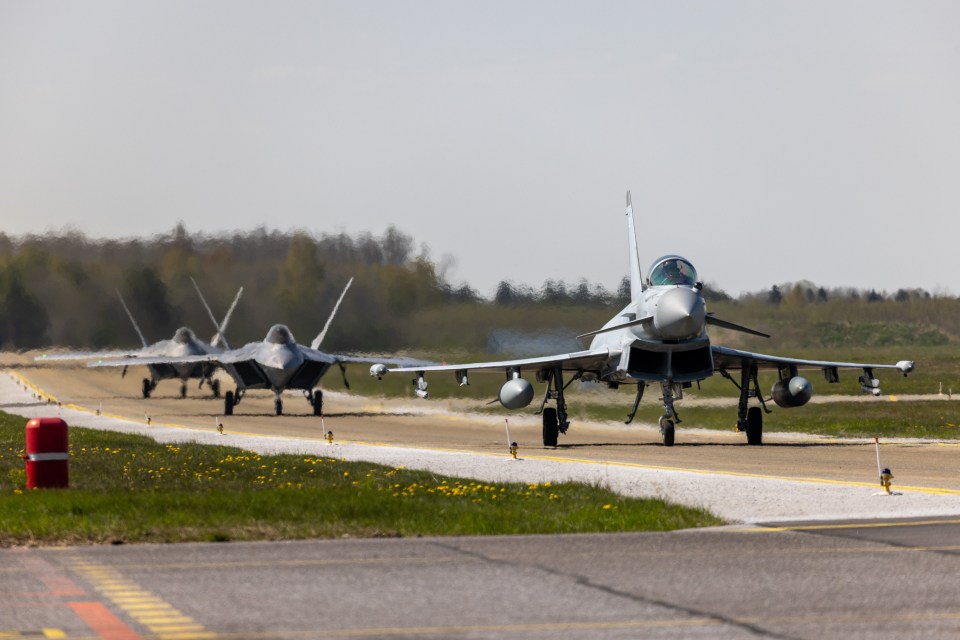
60,290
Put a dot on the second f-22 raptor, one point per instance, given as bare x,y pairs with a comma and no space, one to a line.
165,359
659,338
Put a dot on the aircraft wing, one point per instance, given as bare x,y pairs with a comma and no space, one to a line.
589,360
409,363
726,358
85,355
148,360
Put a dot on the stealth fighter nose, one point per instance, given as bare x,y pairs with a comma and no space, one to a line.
680,314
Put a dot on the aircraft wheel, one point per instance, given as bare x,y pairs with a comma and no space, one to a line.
551,427
278,406
147,387
228,403
755,426
183,389
215,387
317,403
666,431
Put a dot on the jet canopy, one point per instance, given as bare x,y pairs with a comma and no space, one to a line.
279,334
672,270
184,335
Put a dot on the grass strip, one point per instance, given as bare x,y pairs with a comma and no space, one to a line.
129,488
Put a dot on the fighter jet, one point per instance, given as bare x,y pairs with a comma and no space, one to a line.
183,344
659,338
277,363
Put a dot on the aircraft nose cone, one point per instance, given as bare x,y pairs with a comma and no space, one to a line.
680,314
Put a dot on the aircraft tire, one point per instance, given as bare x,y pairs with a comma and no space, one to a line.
278,406
183,389
317,403
147,387
667,431
551,427
228,403
215,388
755,426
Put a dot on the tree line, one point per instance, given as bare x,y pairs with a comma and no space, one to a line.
61,290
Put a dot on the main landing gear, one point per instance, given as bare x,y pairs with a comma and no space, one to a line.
315,398
148,387
749,419
230,400
214,386
555,420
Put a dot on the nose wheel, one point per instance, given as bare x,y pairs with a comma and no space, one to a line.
316,401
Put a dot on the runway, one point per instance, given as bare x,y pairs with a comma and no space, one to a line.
815,553
791,477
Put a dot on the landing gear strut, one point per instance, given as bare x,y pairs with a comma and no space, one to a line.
555,420
670,417
278,405
749,419
183,389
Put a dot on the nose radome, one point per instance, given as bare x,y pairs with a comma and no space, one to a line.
680,313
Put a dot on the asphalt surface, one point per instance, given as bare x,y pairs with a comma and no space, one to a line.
875,580
806,578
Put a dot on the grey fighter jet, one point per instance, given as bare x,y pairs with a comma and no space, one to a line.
659,338
183,345
277,363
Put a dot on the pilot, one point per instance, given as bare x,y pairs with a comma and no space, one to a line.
672,270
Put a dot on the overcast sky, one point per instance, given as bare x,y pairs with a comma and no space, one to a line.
766,141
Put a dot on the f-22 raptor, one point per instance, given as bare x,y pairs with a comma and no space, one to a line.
177,351
659,338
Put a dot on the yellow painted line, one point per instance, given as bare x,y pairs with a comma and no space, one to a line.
828,527
54,633
157,606
169,619
144,607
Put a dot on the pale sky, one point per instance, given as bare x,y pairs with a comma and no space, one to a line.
766,141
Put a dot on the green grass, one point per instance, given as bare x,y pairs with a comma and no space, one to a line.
128,488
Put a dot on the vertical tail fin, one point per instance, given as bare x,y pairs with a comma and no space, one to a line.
636,281
130,315
221,327
316,341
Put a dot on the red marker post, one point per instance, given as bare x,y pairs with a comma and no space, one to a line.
47,454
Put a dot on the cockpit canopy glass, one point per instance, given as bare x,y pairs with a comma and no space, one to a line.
183,335
279,334
673,270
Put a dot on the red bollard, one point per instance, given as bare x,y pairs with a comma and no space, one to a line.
47,454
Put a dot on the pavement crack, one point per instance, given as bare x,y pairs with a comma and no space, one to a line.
585,581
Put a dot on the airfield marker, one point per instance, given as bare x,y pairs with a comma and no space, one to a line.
511,445
885,475
876,440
